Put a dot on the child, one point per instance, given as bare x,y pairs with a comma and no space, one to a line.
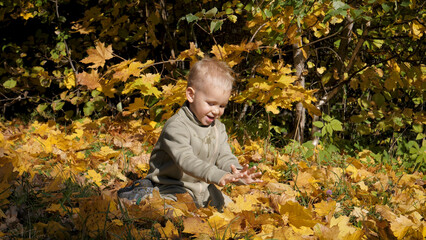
192,153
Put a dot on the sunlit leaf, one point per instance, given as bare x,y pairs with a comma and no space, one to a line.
99,55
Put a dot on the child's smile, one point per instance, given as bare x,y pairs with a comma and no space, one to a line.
209,103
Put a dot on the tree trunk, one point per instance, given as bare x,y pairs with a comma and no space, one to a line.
341,68
299,63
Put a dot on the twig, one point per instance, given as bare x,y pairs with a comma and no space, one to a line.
214,39
66,45
257,30
321,39
329,48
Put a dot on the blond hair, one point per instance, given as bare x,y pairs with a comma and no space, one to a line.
212,71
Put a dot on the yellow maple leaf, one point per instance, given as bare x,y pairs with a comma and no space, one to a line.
359,213
417,29
191,53
94,176
267,231
137,105
145,84
113,170
303,230
362,186
69,80
26,15
325,208
297,214
306,180
78,134
219,52
286,79
218,220
196,226
106,152
243,203
386,212
125,69
167,232
272,107
108,89
345,227
401,225
99,55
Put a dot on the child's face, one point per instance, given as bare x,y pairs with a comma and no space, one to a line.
207,103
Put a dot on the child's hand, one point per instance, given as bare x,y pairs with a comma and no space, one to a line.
228,178
247,175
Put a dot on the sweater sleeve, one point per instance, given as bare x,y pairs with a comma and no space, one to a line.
176,142
226,158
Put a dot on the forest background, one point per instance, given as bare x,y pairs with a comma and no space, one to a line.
328,103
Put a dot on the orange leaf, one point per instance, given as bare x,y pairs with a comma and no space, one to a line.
90,80
99,55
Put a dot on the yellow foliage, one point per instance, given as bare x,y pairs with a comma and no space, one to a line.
145,84
92,151
243,203
94,177
69,80
417,29
193,53
167,232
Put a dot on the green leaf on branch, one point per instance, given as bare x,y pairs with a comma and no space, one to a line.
211,13
215,25
11,83
88,109
57,105
190,18
336,125
41,108
318,124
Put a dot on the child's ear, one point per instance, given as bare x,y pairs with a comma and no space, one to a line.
190,93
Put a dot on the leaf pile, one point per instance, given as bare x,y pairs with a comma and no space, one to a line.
60,182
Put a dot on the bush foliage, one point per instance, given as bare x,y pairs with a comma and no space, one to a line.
329,83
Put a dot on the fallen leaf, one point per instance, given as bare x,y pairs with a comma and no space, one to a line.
196,226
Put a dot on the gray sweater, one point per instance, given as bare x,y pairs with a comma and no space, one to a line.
189,156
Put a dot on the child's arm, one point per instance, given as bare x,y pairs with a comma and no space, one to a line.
246,175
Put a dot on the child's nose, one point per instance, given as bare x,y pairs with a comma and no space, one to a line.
215,110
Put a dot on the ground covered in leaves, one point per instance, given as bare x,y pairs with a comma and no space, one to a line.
60,182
